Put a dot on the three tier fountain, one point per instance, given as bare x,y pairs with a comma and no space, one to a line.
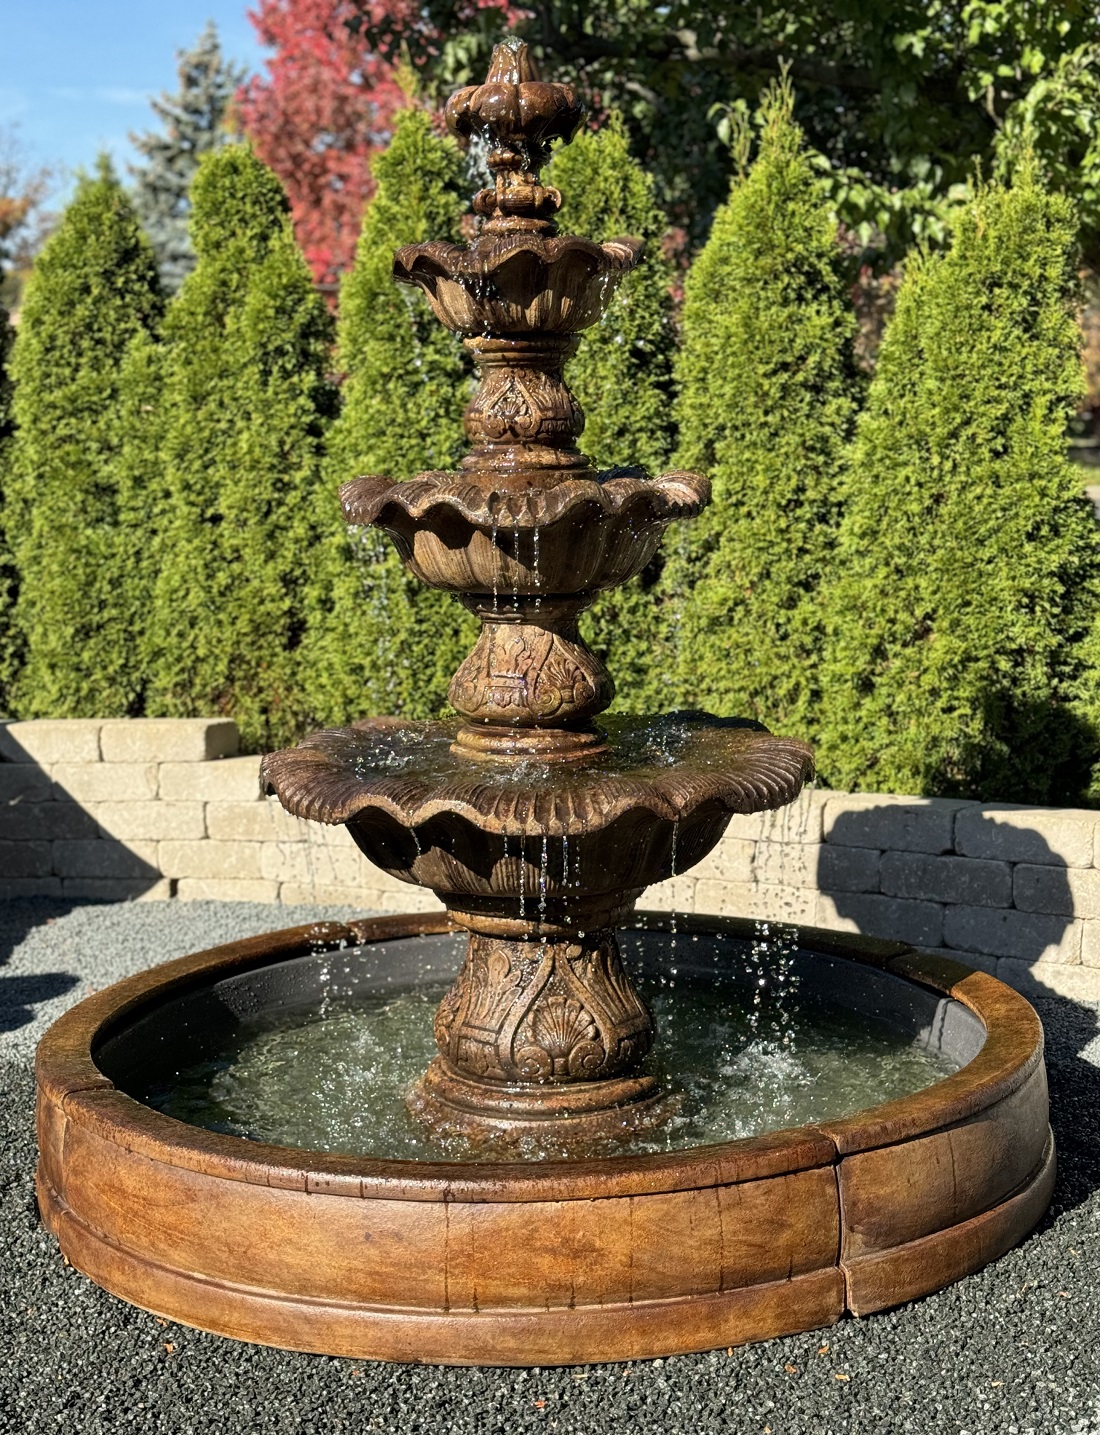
550,1186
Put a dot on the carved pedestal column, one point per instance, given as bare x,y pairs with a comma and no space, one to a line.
539,1029
531,683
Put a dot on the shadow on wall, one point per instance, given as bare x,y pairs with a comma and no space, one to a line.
981,884
964,905
56,845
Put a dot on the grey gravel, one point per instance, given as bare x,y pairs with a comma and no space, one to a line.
1014,1350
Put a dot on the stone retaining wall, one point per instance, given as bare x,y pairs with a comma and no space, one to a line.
162,808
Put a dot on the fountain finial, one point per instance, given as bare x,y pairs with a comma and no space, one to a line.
520,115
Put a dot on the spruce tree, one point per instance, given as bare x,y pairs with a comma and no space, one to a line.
379,641
193,121
94,290
622,374
768,398
246,400
967,572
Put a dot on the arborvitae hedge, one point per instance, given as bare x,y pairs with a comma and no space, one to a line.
379,641
94,290
622,374
246,400
968,560
7,566
768,397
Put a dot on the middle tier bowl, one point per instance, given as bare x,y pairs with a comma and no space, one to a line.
466,533
556,837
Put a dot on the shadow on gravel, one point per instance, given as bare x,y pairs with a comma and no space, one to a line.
20,994
956,918
1074,1101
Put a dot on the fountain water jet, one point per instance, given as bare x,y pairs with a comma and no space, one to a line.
539,828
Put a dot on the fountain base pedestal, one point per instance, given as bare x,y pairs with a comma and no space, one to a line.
542,1034
503,1114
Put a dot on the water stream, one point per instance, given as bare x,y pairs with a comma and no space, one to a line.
332,1075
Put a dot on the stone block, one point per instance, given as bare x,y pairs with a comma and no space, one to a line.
731,861
1028,936
298,893
106,782
13,887
756,900
1050,979
675,895
902,824
254,822
1050,836
231,861
786,864
229,779
876,916
745,826
401,897
326,834
117,889
104,857
226,889
848,869
978,960
318,865
1063,891
168,739
799,821
23,782
44,821
26,859
1090,943
48,740
152,821
967,881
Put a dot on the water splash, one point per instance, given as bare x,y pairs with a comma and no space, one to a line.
774,983
297,1079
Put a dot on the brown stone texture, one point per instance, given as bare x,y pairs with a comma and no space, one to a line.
591,1260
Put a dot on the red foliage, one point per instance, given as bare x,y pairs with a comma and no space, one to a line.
322,110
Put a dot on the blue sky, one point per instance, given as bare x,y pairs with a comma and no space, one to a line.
75,78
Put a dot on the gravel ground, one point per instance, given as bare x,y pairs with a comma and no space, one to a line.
1014,1350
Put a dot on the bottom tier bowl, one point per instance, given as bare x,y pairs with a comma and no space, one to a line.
160,1175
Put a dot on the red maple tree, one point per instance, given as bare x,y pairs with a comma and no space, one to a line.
316,117
322,110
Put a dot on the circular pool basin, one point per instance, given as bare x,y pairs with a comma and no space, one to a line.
628,1254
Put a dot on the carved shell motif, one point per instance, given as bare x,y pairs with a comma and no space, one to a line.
560,1039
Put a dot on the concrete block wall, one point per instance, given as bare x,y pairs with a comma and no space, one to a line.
1014,890
166,808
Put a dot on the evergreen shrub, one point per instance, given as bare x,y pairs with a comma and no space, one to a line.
967,570
246,399
622,374
768,396
94,290
7,566
379,641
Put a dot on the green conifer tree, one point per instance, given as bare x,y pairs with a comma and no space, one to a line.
768,398
8,648
193,121
967,571
622,374
246,401
93,291
379,641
